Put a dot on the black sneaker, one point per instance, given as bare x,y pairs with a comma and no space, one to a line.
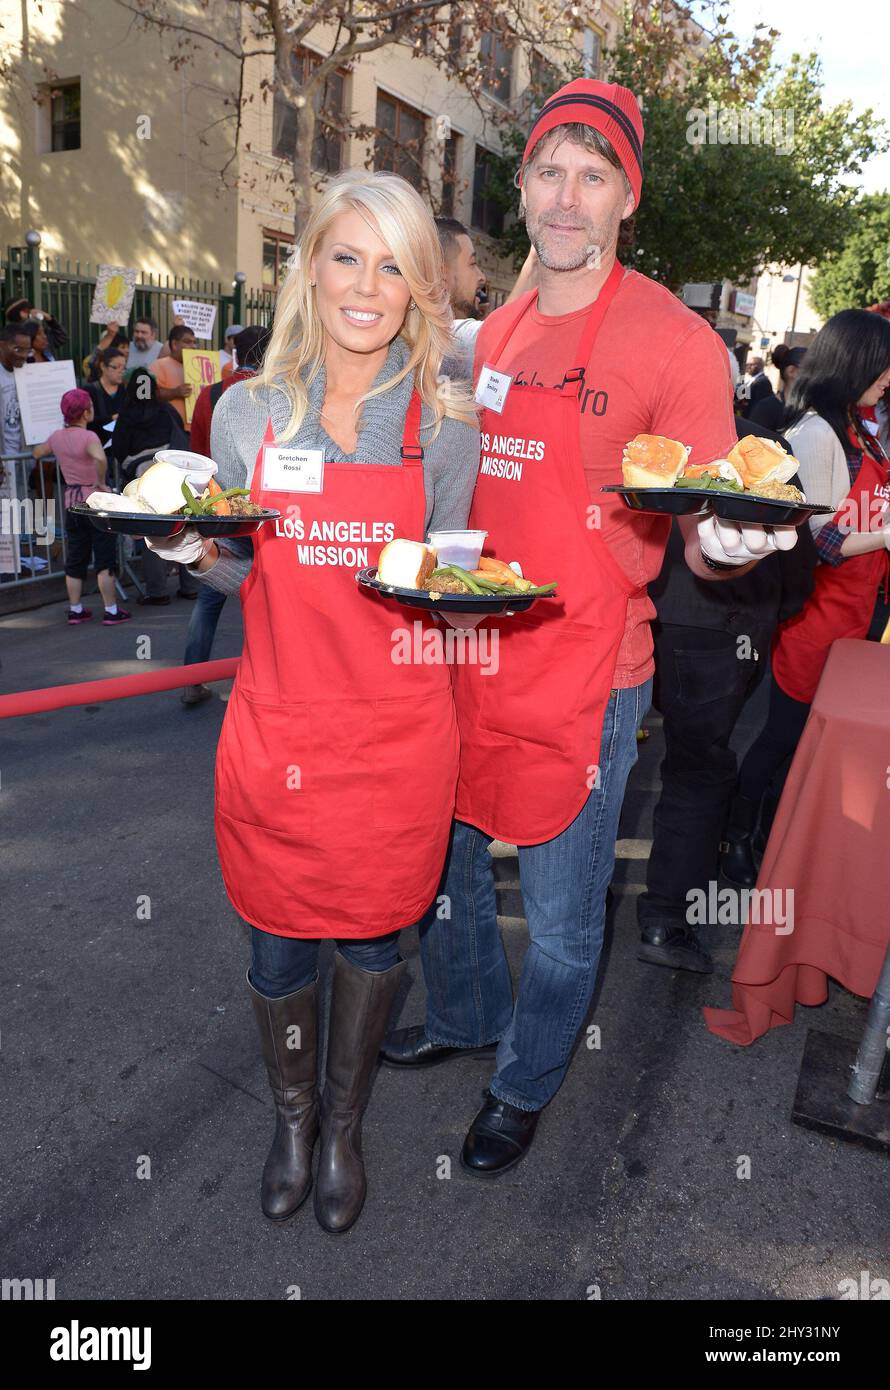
82,617
121,616
154,600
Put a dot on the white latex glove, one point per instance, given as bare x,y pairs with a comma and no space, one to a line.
462,619
184,549
733,543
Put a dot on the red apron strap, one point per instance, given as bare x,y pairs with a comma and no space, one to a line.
591,329
412,449
522,304
598,313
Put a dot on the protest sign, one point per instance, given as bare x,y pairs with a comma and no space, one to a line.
113,296
200,318
40,387
201,369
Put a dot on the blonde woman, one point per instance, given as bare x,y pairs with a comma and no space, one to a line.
336,768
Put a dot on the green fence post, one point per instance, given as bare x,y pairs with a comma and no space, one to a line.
32,239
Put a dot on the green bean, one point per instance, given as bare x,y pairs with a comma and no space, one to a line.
191,506
472,584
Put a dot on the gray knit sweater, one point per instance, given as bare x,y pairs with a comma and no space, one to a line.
450,464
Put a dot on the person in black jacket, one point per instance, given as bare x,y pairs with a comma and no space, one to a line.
144,425
769,410
107,393
711,648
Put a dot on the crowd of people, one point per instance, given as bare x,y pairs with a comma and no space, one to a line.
374,360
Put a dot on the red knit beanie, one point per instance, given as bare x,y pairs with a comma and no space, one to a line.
610,109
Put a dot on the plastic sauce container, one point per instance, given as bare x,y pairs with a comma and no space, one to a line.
458,547
198,468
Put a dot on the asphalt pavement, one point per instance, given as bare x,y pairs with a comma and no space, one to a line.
136,1111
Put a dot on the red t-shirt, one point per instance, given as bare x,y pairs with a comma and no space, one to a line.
656,368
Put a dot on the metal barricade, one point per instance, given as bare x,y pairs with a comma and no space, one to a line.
32,521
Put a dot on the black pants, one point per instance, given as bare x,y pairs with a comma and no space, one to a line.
767,761
702,680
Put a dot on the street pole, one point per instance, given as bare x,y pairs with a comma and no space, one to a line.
32,240
238,286
796,298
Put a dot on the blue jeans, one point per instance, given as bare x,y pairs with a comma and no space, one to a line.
564,883
202,624
281,965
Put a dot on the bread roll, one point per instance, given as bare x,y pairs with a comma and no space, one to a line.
762,461
652,461
405,564
160,486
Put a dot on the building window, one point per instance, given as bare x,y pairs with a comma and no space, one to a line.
488,215
64,115
496,60
544,78
277,248
327,147
450,166
593,51
398,144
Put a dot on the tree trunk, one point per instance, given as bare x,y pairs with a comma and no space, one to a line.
302,166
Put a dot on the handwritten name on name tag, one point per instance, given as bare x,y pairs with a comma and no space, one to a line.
292,470
492,388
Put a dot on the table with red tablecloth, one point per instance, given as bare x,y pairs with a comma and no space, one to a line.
828,856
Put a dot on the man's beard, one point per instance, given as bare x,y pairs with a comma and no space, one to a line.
463,309
589,254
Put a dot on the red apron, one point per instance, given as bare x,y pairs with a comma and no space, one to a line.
843,598
530,734
337,765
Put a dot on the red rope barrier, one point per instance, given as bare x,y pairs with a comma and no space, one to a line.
116,687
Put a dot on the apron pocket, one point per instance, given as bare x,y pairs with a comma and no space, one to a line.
415,757
545,678
263,775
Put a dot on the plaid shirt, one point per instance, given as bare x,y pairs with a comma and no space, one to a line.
829,538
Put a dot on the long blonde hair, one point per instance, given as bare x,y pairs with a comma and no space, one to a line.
298,336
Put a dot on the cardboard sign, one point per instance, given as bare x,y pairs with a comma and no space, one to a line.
201,369
40,387
113,296
200,318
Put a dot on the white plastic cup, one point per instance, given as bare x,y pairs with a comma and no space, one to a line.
458,547
198,468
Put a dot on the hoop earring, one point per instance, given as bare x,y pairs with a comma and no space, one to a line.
312,284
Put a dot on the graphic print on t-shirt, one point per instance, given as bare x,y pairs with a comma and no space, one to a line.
593,400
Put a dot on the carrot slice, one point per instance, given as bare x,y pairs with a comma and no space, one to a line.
221,507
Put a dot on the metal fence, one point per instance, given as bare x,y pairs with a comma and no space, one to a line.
66,291
32,522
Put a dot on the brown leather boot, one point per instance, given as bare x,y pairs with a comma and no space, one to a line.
361,1002
292,1072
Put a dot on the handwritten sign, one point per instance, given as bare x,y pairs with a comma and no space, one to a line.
201,369
113,296
40,387
200,318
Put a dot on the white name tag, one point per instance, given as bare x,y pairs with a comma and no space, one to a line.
492,388
292,470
